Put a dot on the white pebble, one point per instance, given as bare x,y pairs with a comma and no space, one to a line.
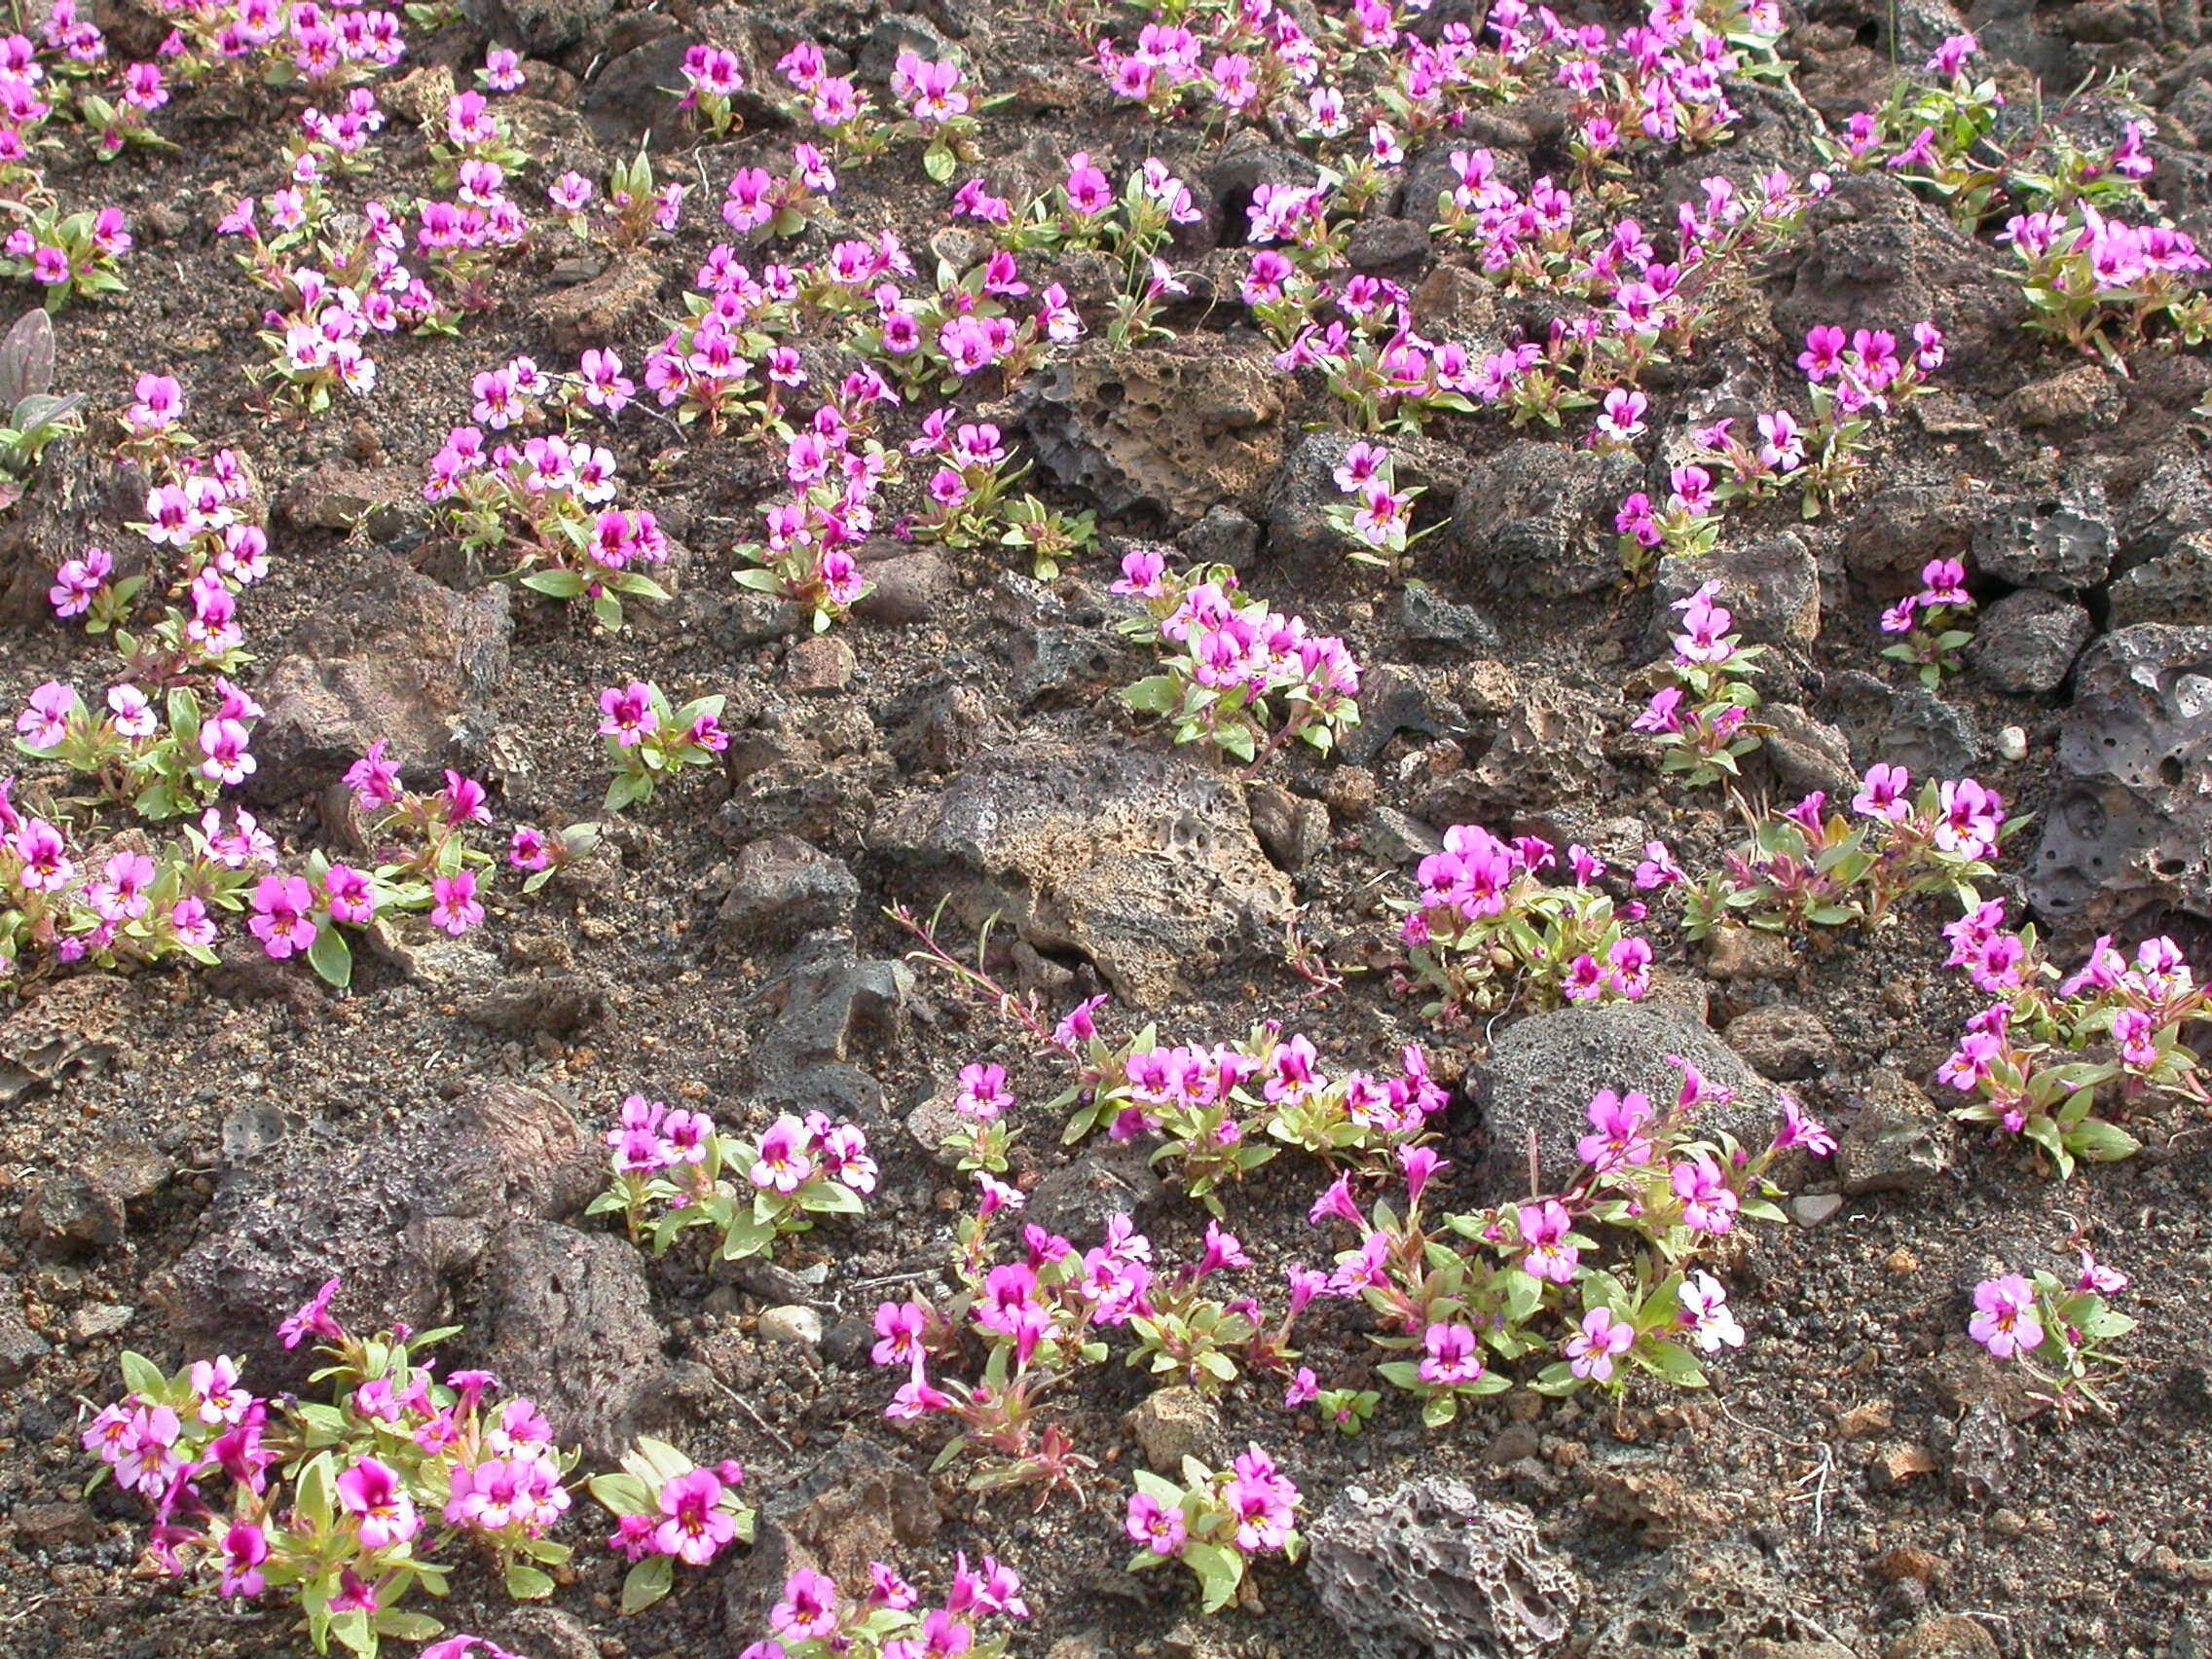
2012,743
792,1323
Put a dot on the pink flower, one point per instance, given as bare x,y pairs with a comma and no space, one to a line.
1883,794
2004,1320
313,1315
351,896
1543,1231
626,714
373,779
1450,1359
372,1490
1799,1130
2097,1276
808,1611
45,721
1619,1139
1709,1205
282,917
696,1527
1603,1338
983,1094
785,1161
455,905
244,1548
1261,1501
1160,1528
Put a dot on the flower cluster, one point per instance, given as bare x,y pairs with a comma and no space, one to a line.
630,211
1946,131
163,760
814,1621
1216,1523
1530,1271
1851,381
548,505
1699,719
1379,521
834,473
1041,1315
648,740
2102,284
1230,665
1929,621
2056,1058
69,898
674,1171
1225,1109
667,1510
1805,866
2055,1332
342,1509
67,254
1488,932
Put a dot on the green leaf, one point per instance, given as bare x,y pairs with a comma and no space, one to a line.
556,584
525,1583
1154,696
314,1490
748,1235
1220,1572
1676,1363
622,1495
2101,1142
648,1582
939,161
411,1627
331,957
141,1376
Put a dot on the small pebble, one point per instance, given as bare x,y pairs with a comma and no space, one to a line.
792,1323
2012,743
1810,1209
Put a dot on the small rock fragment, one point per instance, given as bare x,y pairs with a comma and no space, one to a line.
794,1323
1944,1635
1171,1424
1782,1042
1900,1141
1434,1568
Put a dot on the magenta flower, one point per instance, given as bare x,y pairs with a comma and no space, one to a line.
1543,1231
808,1611
314,1315
244,1548
45,721
696,1527
372,1490
283,918
785,1161
1157,1527
454,907
1450,1357
1602,1338
983,1094
1619,1137
1799,1130
1262,1502
2004,1320
626,714
351,896
1709,1206
1883,794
